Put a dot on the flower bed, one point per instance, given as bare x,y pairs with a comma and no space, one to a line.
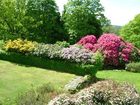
79,58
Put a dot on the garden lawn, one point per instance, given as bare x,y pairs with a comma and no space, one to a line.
16,79
121,76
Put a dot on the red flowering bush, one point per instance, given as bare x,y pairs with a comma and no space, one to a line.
114,49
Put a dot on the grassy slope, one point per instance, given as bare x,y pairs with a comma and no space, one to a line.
15,79
121,76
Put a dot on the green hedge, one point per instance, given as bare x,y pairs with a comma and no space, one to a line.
50,64
133,67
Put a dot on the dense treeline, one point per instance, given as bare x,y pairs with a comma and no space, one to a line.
40,20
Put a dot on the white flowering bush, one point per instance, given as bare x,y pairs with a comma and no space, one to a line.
77,54
48,50
101,93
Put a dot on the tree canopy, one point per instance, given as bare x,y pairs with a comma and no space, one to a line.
83,17
131,31
32,19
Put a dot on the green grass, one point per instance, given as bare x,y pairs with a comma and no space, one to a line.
15,79
121,76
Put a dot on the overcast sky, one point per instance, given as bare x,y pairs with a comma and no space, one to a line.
120,12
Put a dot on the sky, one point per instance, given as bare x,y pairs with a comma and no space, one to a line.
120,12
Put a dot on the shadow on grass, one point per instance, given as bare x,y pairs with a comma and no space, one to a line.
49,64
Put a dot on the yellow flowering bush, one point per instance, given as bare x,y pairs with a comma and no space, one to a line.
19,45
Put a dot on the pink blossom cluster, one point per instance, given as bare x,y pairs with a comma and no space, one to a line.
88,41
109,45
126,51
114,49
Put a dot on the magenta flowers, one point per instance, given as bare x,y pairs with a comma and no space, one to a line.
114,49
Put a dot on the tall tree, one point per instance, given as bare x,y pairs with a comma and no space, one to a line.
83,17
131,31
44,20
32,19
12,18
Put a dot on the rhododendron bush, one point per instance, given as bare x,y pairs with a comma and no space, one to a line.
115,50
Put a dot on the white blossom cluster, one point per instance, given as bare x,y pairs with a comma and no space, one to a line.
101,93
76,54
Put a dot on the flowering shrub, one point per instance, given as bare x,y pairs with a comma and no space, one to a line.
127,49
101,93
76,54
19,45
47,50
114,49
88,41
86,61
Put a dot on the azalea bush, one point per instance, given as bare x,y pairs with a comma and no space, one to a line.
47,50
19,45
88,42
76,54
80,55
114,49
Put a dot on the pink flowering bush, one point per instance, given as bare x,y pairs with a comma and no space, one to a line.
88,41
115,50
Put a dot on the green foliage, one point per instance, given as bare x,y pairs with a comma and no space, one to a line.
52,64
12,18
43,21
131,31
31,19
63,43
82,18
112,29
133,67
39,96
1,44
135,39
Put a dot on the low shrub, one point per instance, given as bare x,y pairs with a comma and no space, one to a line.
50,64
63,43
133,67
76,54
19,45
47,50
101,93
40,96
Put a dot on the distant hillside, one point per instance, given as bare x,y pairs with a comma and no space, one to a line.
113,29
